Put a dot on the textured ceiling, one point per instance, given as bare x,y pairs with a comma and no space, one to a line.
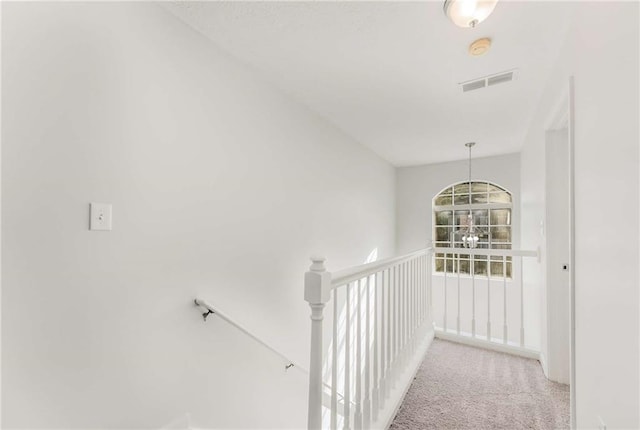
386,73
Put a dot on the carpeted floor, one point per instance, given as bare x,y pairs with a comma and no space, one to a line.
462,387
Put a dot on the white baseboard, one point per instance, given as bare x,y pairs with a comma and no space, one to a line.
543,363
482,343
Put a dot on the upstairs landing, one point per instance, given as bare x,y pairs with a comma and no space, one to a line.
463,387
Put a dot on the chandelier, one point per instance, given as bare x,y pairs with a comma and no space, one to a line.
468,232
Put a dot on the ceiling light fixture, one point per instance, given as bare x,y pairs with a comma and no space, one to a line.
468,232
468,13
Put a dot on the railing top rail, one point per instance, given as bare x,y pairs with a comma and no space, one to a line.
484,251
344,276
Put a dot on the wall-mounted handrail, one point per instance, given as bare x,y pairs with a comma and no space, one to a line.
223,316
290,363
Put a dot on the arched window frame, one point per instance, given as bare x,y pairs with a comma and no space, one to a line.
492,206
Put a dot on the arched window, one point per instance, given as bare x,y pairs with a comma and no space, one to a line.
490,207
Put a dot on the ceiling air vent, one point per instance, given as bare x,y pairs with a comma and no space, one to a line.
488,81
474,85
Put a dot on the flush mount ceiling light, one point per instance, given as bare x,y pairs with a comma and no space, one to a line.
468,13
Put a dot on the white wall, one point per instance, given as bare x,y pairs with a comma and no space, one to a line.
221,187
601,52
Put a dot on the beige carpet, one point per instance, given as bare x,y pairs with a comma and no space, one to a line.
462,387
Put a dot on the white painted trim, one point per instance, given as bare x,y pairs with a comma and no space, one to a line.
572,234
485,251
563,116
343,277
493,346
1,7
543,363
559,116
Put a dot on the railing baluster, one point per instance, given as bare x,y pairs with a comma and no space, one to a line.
358,369
396,353
504,298
420,288
367,356
428,264
473,295
489,298
388,374
383,342
405,313
407,318
398,316
458,317
347,362
521,299
376,381
444,322
416,284
427,286
429,296
412,289
378,366
334,364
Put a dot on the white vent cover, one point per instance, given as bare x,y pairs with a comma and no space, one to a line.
488,81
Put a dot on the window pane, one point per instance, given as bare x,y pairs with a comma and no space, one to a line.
480,267
464,266
443,200
495,188
478,198
450,265
478,187
500,216
461,199
501,234
444,218
443,233
502,197
481,217
461,217
446,192
439,265
461,188
496,268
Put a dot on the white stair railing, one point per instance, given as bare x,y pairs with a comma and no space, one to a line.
502,276
379,331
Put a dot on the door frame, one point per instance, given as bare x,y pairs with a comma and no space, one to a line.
564,116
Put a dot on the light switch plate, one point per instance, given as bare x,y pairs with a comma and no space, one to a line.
100,217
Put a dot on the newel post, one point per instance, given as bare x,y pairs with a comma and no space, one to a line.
317,291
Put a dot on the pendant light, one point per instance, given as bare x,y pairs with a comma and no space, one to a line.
468,13
468,232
